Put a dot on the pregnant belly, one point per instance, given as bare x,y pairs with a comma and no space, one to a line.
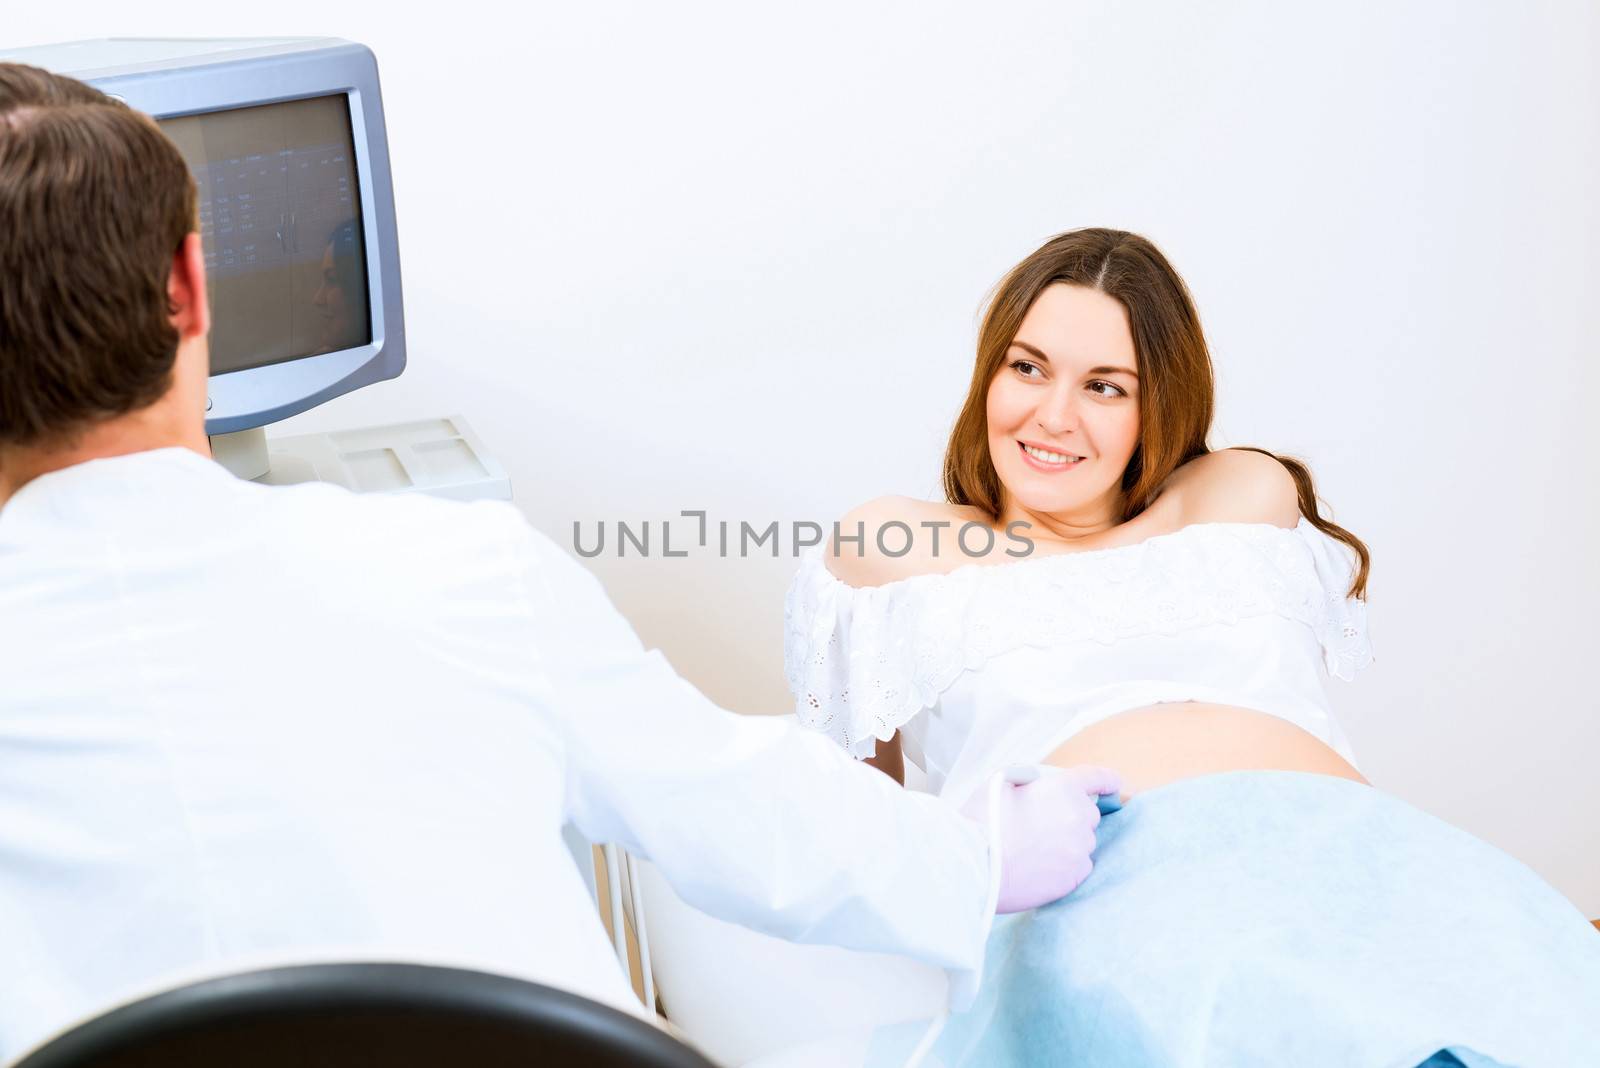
1181,740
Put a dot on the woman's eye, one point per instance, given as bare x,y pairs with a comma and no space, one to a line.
1024,368
1120,392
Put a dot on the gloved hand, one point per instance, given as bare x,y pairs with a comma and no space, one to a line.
1045,819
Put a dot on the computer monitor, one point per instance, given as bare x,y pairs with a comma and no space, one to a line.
286,140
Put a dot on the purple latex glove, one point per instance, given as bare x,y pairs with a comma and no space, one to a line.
1044,821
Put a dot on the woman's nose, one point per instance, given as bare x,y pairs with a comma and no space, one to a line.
1058,414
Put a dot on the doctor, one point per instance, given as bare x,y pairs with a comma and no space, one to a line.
242,724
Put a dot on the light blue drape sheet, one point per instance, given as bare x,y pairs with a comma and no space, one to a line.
1282,918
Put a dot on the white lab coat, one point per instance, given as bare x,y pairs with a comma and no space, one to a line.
242,724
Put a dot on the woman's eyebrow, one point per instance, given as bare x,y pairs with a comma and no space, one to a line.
1103,369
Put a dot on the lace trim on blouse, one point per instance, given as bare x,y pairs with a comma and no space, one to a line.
862,662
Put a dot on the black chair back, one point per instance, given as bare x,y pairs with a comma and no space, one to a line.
364,1016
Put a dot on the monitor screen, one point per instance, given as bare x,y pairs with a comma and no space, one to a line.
280,219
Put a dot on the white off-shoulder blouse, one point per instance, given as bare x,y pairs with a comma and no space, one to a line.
996,664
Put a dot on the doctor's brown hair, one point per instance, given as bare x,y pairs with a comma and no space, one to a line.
94,202
1176,385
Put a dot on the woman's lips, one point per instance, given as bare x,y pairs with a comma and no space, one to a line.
1045,465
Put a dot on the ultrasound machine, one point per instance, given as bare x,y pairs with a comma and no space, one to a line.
285,137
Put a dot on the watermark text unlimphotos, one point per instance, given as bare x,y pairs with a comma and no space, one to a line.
692,534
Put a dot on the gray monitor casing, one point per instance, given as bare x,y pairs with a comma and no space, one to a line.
173,77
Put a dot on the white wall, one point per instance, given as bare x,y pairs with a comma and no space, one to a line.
681,256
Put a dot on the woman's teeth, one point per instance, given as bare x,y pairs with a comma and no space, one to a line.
1049,457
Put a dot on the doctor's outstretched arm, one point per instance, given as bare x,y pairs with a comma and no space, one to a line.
751,818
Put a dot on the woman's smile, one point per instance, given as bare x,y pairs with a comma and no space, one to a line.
1048,460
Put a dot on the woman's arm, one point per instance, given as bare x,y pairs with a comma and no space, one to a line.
890,759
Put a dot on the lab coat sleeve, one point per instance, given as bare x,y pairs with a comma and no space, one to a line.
750,818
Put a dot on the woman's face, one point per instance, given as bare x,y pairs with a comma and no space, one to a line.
1067,388
329,300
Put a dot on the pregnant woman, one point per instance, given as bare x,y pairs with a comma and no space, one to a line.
1101,588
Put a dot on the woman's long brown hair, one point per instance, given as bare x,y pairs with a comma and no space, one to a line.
1176,385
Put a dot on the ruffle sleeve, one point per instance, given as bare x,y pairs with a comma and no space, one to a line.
851,691
1340,620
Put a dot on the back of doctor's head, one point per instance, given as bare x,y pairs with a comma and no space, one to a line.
94,202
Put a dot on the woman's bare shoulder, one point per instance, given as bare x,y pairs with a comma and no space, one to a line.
1235,486
892,538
